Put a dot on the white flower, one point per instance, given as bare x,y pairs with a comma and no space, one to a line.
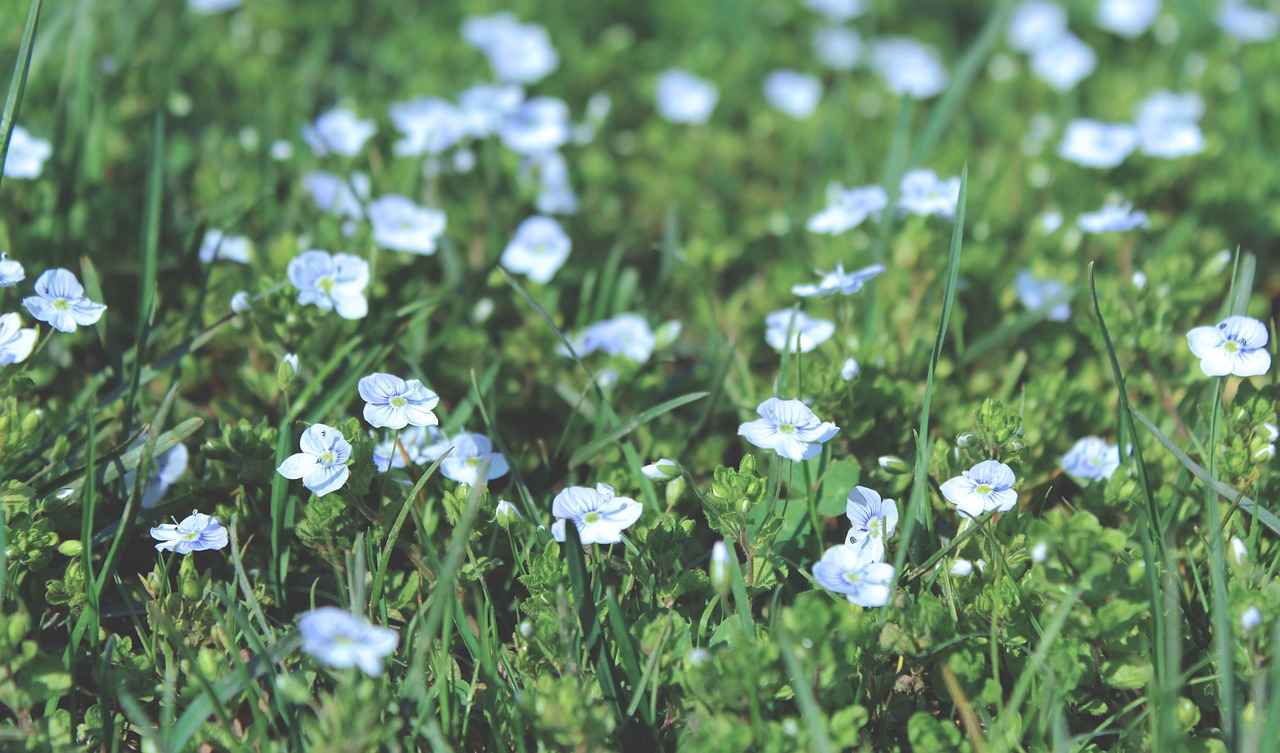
1250,619
401,225
1064,62
393,403
196,533
470,452
281,150
240,302
218,246
61,303
11,272
338,131
429,125
169,467
908,67
26,154
1036,24
627,335
838,47
341,640
598,514
1246,23
1091,458
520,53
923,193
1238,551
788,428
984,487
794,330
962,568
539,249
792,92
1238,345
838,281
1095,144
870,515
421,443
484,107
1039,552
1169,139
1128,18
322,464
684,98
850,370
333,282
838,10
16,343
663,470
1164,105
846,209
1113,218
540,125
334,195
1034,294
855,572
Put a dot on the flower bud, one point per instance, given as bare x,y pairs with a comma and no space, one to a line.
893,464
1250,619
31,422
1238,551
1039,552
966,439
850,370
674,490
71,548
506,513
240,302
287,370
719,569
666,334
961,567
662,471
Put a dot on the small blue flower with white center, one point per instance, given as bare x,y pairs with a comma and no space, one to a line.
870,516
196,533
847,209
539,249
322,464
470,453
1238,345
1092,459
401,225
393,403
789,428
341,640
986,486
1035,293
857,572
334,282
599,514
838,281
60,301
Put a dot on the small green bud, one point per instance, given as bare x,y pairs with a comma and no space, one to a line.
1188,714
719,568
966,440
506,513
287,370
16,627
674,490
71,548
32,421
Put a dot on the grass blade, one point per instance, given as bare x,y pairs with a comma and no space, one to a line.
595,446
18,84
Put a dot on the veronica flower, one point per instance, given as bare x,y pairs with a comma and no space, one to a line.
419,444
855,572
663,470
26,154
792,92
1036,24
333,282
334,195
11,272
795,331
1092,458
196,533
838,10
401,225
1239,553
555,195
16,343
1034,294
538,249
505,513
484,106
599,515
241,302
627,335
984,487
838,47
169,467
393,403
1162,104
338,131
685,98
540,125
1170,139
1245,23
838,281
908,67
61,303
341,640
1064,62
218,246
846,209
1113,218
520,53
870,516
1128,18
470,452
850,370
322,464
429,125
788,428
1238,345
923,193
1094,144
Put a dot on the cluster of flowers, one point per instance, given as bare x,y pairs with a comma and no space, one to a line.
921,193
1166,126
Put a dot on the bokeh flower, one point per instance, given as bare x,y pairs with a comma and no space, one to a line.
342,640
789,428
794,330
539,248
334,282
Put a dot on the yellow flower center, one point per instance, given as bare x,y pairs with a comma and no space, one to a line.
591,517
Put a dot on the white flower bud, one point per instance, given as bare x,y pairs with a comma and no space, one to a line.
963,568
850,370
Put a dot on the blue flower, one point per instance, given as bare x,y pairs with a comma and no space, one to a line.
627,335
838,281
870,516
1238,345
788,428
338,131
538,249
401,225
60,301
26,155
1113,218
393,403
470,452
599,515
794,330
11,272
984,487
333,282
169,467
218,246
792,92
685,98
322,464
1034,294
16,343
856,572
341,640
1092,458
1090,143
923,193
846,209
196,533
